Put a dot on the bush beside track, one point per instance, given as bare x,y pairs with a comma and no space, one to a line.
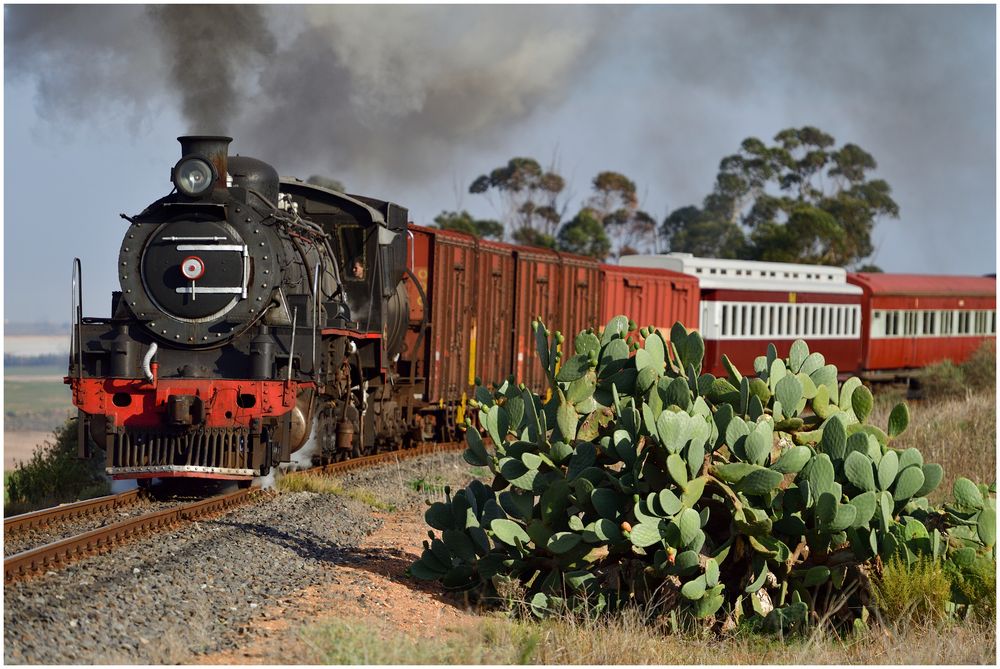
54,475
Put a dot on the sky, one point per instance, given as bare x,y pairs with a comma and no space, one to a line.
412,103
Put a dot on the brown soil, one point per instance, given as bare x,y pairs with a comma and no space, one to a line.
18,446
375,589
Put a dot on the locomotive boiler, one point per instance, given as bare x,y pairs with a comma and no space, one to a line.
254,313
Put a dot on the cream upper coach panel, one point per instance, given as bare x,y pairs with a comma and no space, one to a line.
715,273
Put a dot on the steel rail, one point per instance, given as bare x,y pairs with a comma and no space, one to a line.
44,557
382,458
22,564
54,514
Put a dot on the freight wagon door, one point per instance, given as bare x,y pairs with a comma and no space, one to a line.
538,293
453,316
579,299
493,357
413,360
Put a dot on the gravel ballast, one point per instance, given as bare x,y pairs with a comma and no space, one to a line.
33,537
198,588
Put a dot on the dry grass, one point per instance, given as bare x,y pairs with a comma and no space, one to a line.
627,639
328,485
959,434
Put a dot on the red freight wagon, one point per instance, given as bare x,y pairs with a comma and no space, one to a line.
538,289
913,320
580,299
747,304
655,297
445,265
492,344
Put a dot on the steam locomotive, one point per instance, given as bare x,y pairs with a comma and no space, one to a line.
258,313
253,311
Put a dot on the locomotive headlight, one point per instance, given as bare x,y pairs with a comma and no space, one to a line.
193,176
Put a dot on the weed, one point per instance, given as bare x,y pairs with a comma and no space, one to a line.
912,594
298,482
423,485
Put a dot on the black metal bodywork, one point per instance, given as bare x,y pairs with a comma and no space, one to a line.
276,302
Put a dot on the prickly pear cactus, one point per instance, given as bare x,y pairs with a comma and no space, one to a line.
644,481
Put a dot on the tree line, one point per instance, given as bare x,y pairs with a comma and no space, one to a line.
800,198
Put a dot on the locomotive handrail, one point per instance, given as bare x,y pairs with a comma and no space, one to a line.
413,248
76,299
315,318
291,346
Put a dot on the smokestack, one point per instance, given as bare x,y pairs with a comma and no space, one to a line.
213,147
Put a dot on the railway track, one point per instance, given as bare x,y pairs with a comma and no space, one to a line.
63,512
57,553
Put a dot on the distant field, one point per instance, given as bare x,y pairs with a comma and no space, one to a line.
29,345
30,396
34,372
35,398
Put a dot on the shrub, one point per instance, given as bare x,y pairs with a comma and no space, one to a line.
980,369
977,374
942,379
55,474
767,501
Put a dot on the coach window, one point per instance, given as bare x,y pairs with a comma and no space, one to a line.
993,322
927,326
725,319
744,320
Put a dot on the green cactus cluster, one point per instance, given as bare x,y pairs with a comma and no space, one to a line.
642,480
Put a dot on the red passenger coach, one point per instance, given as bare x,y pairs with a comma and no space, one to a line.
747,304
914,320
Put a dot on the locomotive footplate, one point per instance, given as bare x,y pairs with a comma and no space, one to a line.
206,452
